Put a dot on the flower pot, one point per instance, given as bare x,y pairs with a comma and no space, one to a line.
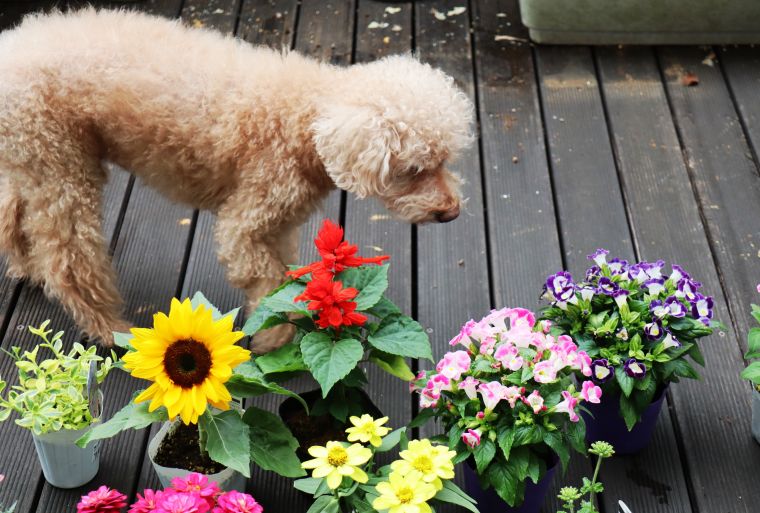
318,430
65,464
605,423
227,479
642,21
489,501
756,415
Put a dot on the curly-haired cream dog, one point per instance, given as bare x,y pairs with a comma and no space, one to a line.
256,136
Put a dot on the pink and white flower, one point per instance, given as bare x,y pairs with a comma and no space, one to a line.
471,438
463,337
454,364
546,325
568,406
513,394
545,371
535,401
469,386
508,356
487,345
492,393
590,392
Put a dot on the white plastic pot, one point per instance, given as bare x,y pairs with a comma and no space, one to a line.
756,415
64,464
227,479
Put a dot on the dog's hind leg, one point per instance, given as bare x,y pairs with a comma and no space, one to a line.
12,241
67,251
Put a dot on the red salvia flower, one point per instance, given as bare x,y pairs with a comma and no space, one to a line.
337,254
333,303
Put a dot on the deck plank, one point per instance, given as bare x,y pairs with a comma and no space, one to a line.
666,223
586,185
723,172
741,66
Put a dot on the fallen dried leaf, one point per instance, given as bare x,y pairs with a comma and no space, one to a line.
710,59
379,217
460,263
689,79
456,11
502,37
184,222
376,249
438,14
396,28
392,10
377,25
515,160
218,11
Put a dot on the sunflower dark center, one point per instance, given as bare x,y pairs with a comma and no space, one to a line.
187,362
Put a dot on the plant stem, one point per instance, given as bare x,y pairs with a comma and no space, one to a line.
592,495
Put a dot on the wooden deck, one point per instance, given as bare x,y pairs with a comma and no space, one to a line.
580,148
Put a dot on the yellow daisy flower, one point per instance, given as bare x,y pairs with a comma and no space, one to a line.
188,356
366,429
433,462
404,494
334,461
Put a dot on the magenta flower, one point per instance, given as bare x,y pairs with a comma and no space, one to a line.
182,502
492,393
102,500
568,406
471,438
758,287
197,483
454,364
590,392
147,502
236,502
535,401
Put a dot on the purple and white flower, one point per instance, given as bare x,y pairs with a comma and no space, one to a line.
599,256
687,288
656,286
670,341
678,274
561,286
587,292
702,308
675,307
601,370
621,297
618,266
635,368
653,330
592,272
658,309
607,286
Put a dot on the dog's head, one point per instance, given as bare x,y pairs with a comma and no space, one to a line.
389,133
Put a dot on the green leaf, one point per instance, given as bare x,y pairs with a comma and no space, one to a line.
391,440
384,308
696,354
281,301
370,280
752,373
505,481
753,342
422,418
227,439
554,440
330,361
199,299
403,336
248,381
576,435
307,485
325,504
272,446
132,416
506,438
122,340
628,411
261,319
287,358
624,380
756,312
450,496
526,435
392,364
484,454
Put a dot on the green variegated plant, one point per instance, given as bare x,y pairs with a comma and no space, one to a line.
51,394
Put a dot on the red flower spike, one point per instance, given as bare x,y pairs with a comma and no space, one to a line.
337,254
332,302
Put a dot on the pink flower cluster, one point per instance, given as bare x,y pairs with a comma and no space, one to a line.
194,494
504,342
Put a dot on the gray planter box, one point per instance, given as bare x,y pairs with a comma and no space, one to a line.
604,22
756,415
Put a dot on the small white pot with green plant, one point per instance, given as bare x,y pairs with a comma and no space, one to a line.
752,372
58,399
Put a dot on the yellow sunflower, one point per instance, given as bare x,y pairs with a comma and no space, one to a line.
188,356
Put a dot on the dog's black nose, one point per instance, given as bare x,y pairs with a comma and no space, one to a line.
444,216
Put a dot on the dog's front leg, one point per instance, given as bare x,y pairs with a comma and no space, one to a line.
255,251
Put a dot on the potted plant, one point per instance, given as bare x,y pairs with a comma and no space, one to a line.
752,372
341,319
649,22
569,495
344,478
641,327
58,400
194,494
199,379
508,406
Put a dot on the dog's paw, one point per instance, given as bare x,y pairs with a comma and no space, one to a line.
273,338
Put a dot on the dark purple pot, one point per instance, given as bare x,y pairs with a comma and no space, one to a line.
490,502
608,425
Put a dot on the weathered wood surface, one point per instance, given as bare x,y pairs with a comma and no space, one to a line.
579,148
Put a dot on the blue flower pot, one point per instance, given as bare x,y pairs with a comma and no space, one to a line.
605,423
490,502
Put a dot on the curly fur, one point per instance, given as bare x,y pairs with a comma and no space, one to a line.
256,136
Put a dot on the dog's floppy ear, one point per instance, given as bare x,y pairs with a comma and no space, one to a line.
355,144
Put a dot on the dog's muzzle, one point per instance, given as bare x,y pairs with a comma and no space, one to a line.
445,216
